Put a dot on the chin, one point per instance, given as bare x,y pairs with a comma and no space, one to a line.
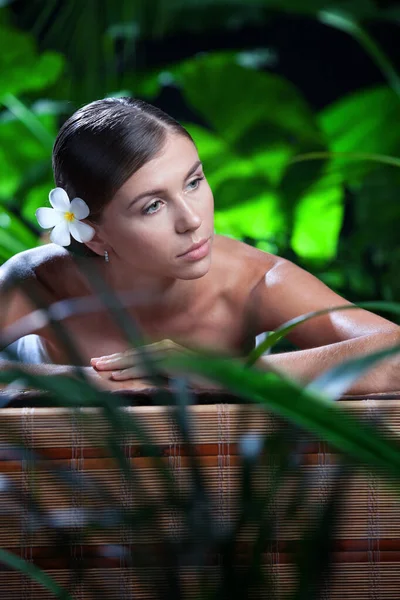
195,270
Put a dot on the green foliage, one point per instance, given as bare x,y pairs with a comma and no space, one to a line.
33,572
21,69
280,172
26,137
363,122
281,175
273,461
258,194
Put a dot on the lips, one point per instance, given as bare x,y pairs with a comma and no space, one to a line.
195,246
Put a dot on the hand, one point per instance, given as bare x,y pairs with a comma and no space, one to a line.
103,381
128,365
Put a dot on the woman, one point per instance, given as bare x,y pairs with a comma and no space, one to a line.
145,220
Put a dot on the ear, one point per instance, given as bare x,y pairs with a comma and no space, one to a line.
97,244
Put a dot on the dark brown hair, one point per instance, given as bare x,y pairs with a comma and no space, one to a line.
104,143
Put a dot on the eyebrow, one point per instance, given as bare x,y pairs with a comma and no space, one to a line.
160,191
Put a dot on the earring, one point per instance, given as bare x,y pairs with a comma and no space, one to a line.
106,257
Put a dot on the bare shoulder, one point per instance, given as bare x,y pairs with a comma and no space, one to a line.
35,264
27,275
242,264
49,267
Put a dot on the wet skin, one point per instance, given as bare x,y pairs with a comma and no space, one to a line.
218,296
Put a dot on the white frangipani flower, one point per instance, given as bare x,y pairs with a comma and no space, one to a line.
65,217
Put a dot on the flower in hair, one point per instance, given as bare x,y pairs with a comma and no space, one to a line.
66,218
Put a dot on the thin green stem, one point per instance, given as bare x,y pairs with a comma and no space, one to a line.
30,570
28,118
379,57
352,27
380,158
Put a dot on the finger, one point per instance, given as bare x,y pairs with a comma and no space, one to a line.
114,356
131,373
154,347
122,360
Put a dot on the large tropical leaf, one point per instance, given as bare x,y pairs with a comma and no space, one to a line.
318,219
21,68
366,121
21,150
257,121
233,99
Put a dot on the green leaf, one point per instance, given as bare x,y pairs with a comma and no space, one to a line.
21,68
208,143
377,211
318,219
314,556
14,235
274,336
34,573
346,22
336,381
260,218
36,197
366,121
247,149
246,204
21,150
305,408
232,99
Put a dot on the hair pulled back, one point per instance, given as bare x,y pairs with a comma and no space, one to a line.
104,143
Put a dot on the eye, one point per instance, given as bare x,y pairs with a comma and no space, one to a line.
152,208
195,183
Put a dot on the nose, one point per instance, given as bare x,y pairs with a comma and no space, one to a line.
187,218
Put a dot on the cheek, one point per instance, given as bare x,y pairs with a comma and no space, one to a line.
209,203
140,238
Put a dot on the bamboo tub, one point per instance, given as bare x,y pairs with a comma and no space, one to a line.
367,543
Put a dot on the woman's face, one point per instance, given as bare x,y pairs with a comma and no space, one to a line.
160,213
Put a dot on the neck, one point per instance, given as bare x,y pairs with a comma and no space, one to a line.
151,294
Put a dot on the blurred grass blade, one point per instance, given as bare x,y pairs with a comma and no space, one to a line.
34,573
314,556
307,409
278,463
123,320
274,336
77,393
336,381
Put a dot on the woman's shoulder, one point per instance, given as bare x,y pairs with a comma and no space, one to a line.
238,269
24,279
42,264
241,260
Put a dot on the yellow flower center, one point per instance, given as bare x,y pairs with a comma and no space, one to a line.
69,216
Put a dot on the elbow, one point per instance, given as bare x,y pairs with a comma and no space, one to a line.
389,373
393,372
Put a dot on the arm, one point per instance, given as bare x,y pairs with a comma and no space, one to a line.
17,281
101,380
287,291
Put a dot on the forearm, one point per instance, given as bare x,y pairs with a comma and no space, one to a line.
41,369
306,365
101,380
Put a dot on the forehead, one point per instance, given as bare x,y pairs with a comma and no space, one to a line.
172,162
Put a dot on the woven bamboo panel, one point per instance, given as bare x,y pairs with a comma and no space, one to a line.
367,542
